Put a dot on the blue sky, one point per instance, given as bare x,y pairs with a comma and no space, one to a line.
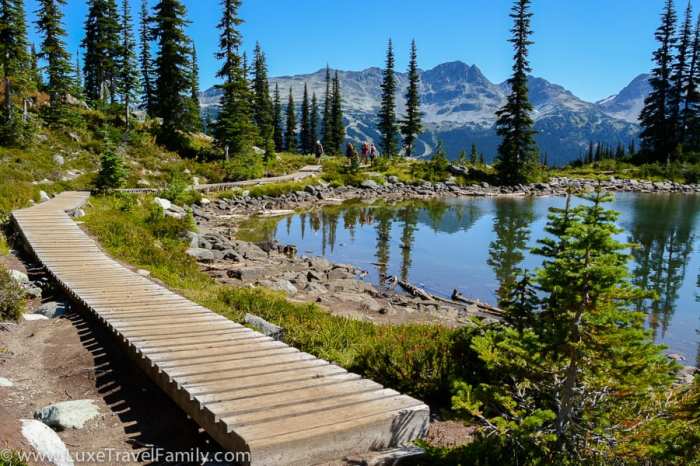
592,47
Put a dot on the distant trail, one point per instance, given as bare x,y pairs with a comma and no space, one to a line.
302,173
250,393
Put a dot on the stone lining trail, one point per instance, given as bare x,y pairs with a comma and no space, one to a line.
249,392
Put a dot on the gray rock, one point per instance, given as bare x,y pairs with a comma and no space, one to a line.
286,286
52,309
369,184
59,160
315,288
202,255
32,291
43,197
247,274
46,442
319,263
77,213
339,274
33,317
19,277
5,383
175,215
686,375
266,328
366,302
143,273
163,203
71,414
392,179
193,239
315,275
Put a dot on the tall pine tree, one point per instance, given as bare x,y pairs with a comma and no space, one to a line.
148,100
102,49
235,128
306,145
53,50
262,107
337,124
411,126
691,106
679,78
517,153
128,72
195,112
313,127
387,112
328,131
290,135
657,127
278,130
172,70
16,65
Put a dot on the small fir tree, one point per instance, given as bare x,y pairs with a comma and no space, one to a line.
290,136
387,111
411,126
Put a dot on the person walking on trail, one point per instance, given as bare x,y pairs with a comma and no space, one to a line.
373,152
365,153
350,151
319,151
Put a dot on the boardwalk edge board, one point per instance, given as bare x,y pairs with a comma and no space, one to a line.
250,393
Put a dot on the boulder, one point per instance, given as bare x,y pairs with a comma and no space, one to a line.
266,328
202,255
143,273
286,286
59,160
320,263
365,302
32,291
33,317
77,213
315,275
392,179
339,274
43,197
71,414
163,203
247,274
52,309
46,443
5,383
193,239
175,215
19,277
369,184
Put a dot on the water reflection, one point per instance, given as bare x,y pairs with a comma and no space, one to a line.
511,225
480,246
663,228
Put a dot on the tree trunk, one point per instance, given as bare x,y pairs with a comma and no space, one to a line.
8,97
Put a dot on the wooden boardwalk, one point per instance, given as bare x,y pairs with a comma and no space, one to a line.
249,392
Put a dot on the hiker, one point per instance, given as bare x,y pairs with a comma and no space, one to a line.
350,151
373,152
365,153
319,151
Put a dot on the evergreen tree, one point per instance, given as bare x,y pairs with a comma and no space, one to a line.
262,107
313,126
16,71
112,172
482,159
517,152
591,152
172,70
235,129
277,121
290,136
195,113
462,158
679,77
328,128
474,155
35,71
337,117
387,111
655,121
102,49
77,77
53,50
128,72
583,362
691,105
148,100
306,145
411,126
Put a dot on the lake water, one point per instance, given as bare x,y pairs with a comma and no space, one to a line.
475,245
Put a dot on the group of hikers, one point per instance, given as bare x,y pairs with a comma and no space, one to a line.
367,154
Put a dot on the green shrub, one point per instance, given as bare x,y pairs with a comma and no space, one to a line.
244,167
180,191
12,297
112,171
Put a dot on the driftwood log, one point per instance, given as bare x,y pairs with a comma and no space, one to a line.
457,298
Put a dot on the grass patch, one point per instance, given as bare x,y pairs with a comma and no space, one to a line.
13,459
12,297
420,360
4,247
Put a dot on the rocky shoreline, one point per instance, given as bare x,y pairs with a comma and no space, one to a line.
322,193
340,288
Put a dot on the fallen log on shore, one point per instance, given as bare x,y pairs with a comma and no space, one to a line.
457,298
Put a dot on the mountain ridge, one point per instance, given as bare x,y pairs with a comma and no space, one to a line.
459,104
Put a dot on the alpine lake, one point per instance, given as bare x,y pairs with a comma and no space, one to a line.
478,245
